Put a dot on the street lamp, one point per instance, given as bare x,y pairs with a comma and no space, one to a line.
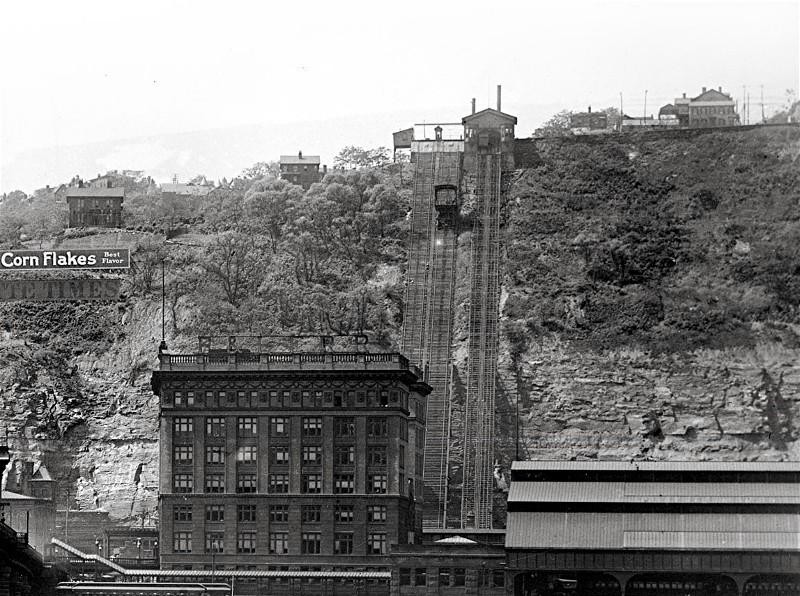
139,548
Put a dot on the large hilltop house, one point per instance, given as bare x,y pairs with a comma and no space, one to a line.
712,108
300,169
95,207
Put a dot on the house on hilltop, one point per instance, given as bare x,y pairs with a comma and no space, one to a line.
96,207
712,108
300,169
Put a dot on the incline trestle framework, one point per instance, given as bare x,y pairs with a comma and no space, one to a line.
446,170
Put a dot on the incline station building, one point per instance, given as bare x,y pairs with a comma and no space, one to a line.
612,528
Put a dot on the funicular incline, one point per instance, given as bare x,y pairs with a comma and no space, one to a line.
427,330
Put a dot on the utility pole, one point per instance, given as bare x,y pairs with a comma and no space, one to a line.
748,108
744,104
645,106
621,112
763,118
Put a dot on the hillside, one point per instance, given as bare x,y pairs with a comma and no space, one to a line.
650,306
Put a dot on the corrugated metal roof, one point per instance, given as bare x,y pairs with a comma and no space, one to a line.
653,492
591,530
658,466
95,192
220,573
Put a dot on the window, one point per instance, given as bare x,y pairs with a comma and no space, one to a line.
344,484
343,514
246,453
215,542
344,455
376,513
215,426
345,427
377,427
279,513
182,425
246,513
278,543
459,576
420,576
183,455
246,483
384,397
247,426
312,427
312,455
311,514
312,483
215,483
377,484
278,426
403,430
405,576
190,398
215,513
246,542
182,483
343,543
279,483
402,457
376,543
182,512
182,542
376,455
215,454
310,543
444,576
279,455
178,397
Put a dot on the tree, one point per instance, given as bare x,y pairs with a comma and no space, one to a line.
557,126
262,169
234,265
352,157
268,203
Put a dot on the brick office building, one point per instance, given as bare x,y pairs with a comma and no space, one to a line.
288,461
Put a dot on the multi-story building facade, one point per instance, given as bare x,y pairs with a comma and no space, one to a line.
300,169
288,460
712,108
95,207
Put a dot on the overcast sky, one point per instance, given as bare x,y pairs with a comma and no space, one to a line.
82,72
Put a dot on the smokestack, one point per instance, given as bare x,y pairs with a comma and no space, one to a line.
499,91
473,105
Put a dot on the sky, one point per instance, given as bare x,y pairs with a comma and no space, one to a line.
91,85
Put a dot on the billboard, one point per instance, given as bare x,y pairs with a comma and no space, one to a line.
38,260
44,290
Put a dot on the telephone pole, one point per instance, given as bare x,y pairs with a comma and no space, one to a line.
763,118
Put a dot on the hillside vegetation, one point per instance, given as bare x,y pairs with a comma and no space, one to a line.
650,303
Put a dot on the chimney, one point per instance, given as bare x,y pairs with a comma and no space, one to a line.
499,91
590,109
684,96
324,169
719,88
473,105
299,155
704,89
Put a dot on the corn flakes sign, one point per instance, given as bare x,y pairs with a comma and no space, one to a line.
36,260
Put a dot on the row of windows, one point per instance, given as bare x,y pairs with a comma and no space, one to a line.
279,399
310,543
280,513
712,110
279,426
451,577
279,455
343,484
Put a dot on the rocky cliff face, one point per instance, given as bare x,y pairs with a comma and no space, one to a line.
649,310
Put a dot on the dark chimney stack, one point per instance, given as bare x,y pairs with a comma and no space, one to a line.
299,155
473,105
720,88
684,96
704,89
590,109
499,91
